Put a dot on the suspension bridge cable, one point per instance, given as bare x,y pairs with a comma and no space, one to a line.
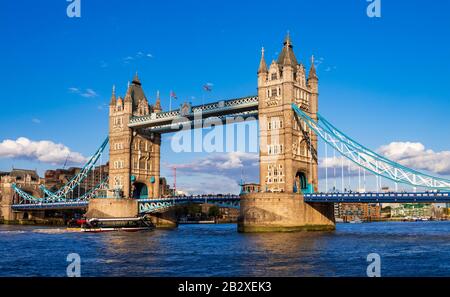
342,174
334,169
310,152
348,173
326,167
386,168
359,176
364,179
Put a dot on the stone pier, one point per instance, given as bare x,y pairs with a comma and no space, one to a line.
278,212
126,208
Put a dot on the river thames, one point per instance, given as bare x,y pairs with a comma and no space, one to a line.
406,249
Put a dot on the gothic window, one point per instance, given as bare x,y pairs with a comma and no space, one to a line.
142,163
275,123
118,180
273,76
274,92
303,149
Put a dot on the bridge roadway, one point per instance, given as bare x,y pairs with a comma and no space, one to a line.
369,197
232,201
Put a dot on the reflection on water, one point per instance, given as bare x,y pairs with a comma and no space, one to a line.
406,249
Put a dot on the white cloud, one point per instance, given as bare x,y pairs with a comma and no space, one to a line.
44,151
221,161
208,183
88,93
36,120
413,155
128,59
138,55
217,172
74,90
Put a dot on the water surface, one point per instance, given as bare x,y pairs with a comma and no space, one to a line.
406,249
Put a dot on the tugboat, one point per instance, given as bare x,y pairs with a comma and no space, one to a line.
117,224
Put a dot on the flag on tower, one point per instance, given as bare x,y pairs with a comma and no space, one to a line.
207,87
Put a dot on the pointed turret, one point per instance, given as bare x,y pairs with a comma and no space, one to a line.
287,56
313,81
128,94
120,101
136,80
312,70
113,96
262,64
157,107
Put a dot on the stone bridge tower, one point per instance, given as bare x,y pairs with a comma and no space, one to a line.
288,158
134,165
288,150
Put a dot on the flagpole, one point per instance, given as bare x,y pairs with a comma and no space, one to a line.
170,101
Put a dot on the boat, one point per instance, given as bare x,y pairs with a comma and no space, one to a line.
356,221
96,225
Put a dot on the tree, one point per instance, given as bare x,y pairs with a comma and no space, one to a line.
193,209
214,211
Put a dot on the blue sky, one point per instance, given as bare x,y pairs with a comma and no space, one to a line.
382,80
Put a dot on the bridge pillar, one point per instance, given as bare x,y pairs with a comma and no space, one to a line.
134,166
276,212
127,208
6,200
288,151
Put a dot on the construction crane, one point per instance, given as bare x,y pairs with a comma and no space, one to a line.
174,168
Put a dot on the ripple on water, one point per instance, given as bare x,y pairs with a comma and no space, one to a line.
406,249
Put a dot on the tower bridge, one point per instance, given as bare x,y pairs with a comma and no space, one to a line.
286,106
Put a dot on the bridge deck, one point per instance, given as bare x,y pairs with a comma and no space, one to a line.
149,205
51,206
423,197
245,107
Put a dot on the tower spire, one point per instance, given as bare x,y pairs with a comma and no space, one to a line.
113,95
136,80
128,94
287,40
287,56
157,107
312,70
262,64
